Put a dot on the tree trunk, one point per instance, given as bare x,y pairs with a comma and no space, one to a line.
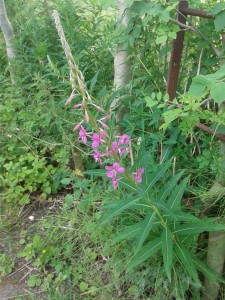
7,30
122,64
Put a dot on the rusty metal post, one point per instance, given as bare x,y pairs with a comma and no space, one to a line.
175,59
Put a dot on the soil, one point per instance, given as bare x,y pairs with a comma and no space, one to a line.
14,286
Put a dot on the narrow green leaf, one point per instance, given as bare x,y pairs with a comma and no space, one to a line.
165,191
129,232
158,174
146,252
187,262
93,82
97,172
128,184
197,227
206,270
146,227
167,251
123,204
174,201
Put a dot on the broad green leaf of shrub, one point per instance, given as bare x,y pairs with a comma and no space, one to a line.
218,7
167,251
199,85
145,253
220,21
217,91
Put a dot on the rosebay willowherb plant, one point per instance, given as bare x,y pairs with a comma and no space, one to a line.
157,219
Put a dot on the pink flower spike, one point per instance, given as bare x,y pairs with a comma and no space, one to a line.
137,176
98,108
83,135
105,134
86,116
77,126
97,140
97,156
105,118
77,105
70,98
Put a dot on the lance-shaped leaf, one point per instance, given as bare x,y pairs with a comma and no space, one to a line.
165,191
158,174
147,225
129,232
146,252
206,270
187,262
175,199
197,227
123,205
167,250
96,172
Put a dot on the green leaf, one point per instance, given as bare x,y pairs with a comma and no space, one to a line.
93,82
174,201
128,184
187,262
197,227
146,227
206,270
220,21
65,181
167,251
217,91
96,172
161,39
83,286
146,252
199,85
122,205
158,174
218,74
129,232
150,102
165,191
217,8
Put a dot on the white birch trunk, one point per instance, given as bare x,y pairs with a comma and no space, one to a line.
7,30
122,64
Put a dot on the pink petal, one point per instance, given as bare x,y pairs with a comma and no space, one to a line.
120,170
77,127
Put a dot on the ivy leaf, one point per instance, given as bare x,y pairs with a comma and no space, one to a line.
167,251
146,252
217,91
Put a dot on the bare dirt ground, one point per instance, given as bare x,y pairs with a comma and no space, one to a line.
14,286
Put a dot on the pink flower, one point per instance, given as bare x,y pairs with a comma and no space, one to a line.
97,156
114,170
124,140
83,134
77,105
103,124
115,183
137,175
97,140
105,118
98,107
77,126
105,134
